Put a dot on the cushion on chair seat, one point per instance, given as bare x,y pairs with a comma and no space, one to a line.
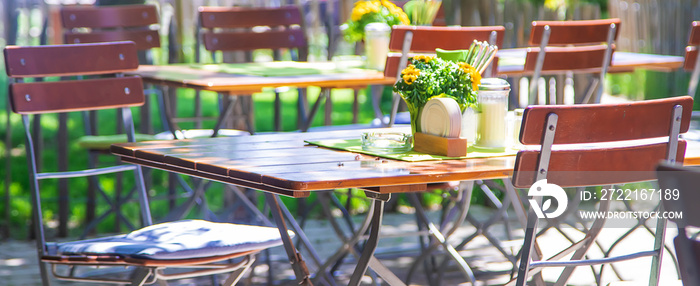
200,133
185,239
102,142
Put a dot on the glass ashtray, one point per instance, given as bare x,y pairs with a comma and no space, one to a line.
387,142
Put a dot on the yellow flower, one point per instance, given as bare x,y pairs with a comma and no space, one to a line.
410,74
423,58
554,4
473,74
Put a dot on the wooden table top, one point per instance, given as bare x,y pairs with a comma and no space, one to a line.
183,75
512,62
284,164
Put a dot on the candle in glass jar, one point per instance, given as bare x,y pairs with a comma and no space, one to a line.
377,44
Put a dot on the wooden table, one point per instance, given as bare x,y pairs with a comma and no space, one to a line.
284,164
184,75
512,62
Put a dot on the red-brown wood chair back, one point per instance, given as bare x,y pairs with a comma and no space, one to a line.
691,51
571,46
573,32
92,24
588,34
691,58
587,165
70,60
283,29
427,38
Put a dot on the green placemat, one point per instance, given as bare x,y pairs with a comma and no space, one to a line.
279,68
355,145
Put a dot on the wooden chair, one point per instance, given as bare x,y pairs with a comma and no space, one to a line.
97,24
683,182
691,63
425,39
93,24
571,46
199,247
231,29
587,165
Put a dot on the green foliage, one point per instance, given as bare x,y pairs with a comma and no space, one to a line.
427,77
372,11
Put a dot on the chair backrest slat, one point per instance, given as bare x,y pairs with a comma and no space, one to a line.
109,16
111,24
691,55
694,38
144,39
573,32
67,60
426,39
237,41
691,52
76,95
595,167
244,29
238,17
588,59
605,122
615,159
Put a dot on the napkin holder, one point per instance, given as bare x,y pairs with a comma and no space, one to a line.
436,145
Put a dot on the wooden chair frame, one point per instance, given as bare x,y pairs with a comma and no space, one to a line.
28,98
589,33
548,126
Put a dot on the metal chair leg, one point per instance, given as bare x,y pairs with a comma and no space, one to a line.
236,275
140,275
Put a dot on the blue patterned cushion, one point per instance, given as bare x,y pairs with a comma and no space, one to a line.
179,240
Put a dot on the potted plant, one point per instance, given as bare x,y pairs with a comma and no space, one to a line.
426,77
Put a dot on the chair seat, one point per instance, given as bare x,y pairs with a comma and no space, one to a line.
102,142
185,239
199,133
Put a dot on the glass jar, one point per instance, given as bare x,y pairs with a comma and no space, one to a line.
377,45
492,104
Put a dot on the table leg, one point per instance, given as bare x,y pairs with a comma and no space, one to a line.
298,264
367,257
285,213
435,232
325,94
225,113
349,243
